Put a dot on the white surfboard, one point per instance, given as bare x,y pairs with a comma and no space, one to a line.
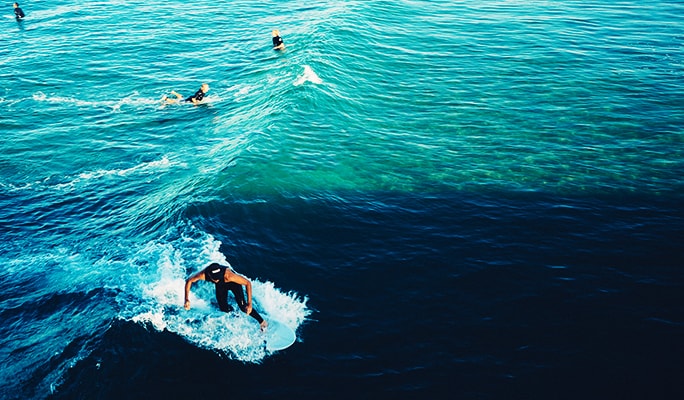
278,336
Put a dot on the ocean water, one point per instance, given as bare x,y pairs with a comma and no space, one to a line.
454,199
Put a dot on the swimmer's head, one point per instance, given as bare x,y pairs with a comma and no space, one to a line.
205,87
276,32
16,5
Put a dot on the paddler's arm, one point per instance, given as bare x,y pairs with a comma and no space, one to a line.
197,277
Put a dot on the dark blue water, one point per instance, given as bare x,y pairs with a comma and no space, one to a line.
453,296
472,199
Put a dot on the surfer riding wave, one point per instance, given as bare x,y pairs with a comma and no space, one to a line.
225,279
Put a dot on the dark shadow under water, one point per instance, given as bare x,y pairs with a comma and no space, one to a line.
451,295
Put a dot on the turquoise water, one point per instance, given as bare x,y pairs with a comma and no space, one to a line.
425,96
398,112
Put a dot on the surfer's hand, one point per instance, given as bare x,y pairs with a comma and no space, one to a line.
187,304
248,310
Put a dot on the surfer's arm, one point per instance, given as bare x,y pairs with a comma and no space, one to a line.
188,283
249,297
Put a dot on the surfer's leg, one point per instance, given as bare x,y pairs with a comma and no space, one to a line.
239,294
256,316
166,99
222,298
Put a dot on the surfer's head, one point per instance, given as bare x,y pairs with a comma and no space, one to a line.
275,33
205,87
214,272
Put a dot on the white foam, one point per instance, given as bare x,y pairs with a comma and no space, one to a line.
161,297
243,90
308,76
115,105
142,168
68,183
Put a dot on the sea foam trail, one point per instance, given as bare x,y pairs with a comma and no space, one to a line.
70,182
115,105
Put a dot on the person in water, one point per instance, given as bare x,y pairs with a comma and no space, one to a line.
18,12
225,279
277,40
194,99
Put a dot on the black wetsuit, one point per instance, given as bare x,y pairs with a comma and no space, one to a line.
222,289
277,41
198,96
19,13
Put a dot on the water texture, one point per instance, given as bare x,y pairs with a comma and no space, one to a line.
457,199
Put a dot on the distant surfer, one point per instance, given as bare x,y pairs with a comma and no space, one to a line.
194,99
277,40
225,279
18,12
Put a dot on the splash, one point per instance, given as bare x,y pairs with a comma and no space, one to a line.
159,305
308,76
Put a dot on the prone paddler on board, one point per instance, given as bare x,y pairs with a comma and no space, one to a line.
194,99
225,279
